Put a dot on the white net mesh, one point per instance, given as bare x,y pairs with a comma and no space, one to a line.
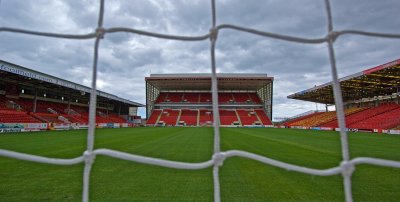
346,167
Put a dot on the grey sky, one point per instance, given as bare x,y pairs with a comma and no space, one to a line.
125,59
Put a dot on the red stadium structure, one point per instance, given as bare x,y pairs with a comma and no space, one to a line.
31,100
185,99
371,101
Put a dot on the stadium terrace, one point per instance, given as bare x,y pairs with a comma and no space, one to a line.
371,100
186,100
31,101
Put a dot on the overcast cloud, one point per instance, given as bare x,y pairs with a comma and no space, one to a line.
125,59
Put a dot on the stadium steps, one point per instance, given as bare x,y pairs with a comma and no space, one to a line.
349,113
227,117
238,117
75,119
179,117
223,98
358,115
49,118
241,97
204,116
158,117
52,111
64,119
12,116
255,98
294,120
116,118
198,116
154,117
39,118
189,117
169,116
161,97
247,117
258,117
384,116
190,97
263,116
316,120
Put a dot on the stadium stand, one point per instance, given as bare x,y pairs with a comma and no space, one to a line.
201,117
384,116
12,116
263,117
290,122
3,103
357,115
315,119
206,117
246,100
205,97
191,97
228,117
48,118
27,96
248,117
173,97
225,97
321,119
114,118
189,117
153,119
169,117
255,98
51,112
76,119
241,97
162,97
372,97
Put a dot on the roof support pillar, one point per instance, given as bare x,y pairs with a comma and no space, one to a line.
34,102
69,105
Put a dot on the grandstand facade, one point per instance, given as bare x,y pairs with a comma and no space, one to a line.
186,100
31,100
371,101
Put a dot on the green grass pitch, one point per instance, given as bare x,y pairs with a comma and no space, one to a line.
241,179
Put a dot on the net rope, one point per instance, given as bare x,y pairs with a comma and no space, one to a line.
345,168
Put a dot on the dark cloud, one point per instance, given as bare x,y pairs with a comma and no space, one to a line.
377,16
125,59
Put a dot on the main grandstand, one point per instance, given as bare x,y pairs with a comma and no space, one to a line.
371,101
185,99
31,100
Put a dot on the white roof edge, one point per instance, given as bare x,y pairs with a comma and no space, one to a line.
194,75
